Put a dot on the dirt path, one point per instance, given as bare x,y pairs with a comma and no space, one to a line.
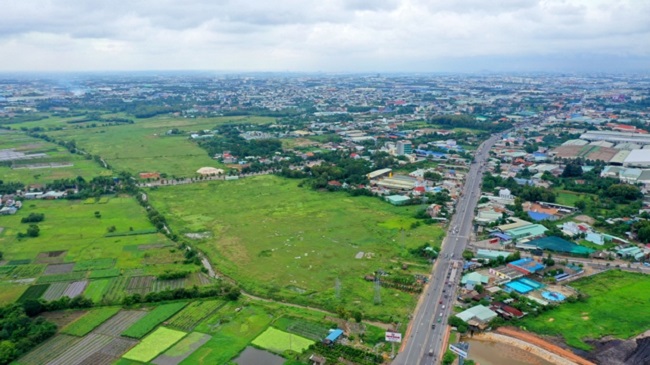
536,341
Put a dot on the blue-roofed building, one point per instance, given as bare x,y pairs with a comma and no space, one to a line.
333,336
524,181
538,217
502,236
526,266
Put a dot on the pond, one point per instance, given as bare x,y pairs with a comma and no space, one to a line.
253,356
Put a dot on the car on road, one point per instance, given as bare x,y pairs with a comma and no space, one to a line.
433,326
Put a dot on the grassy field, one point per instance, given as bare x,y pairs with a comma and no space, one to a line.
154,344
55,154
279,341
617,306
144,146
287,236
96,289
569,198
153,319
90,321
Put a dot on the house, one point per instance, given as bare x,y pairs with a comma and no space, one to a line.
433,210
333,336
317,360
480,312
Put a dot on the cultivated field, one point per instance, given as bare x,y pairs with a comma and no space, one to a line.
154,344
153,319
189,317
89,321
287,236
617,306
182,350
279,341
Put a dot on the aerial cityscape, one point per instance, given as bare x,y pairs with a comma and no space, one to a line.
305,184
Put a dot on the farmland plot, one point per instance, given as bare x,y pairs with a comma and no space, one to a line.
154,344
48,350
111,352
153,319
194,313
89,321
50,257
71,276
116,288
21,271
104,273
81,350
34,292
75,289
140,284
120,322
96,289
53,269
160,285
94,264
55,291
182,350
279,341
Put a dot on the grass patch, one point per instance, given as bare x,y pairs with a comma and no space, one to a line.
89,321
284,237
132,233
279,341
617,306
157,342
153,319
70,276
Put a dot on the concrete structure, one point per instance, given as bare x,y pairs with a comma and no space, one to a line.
516,223
398,182
475,278
479,312
616,137
404,148
379,173
491,254
207,171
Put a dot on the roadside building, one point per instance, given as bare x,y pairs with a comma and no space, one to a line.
398,199
480,313
491,254
527,232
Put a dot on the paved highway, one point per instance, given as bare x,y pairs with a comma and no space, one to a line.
428,326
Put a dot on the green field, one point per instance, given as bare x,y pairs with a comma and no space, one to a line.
286,236
279,341
55,154
617,306
144,146
147,323
189,317
89,321
96,289
569,198
152,345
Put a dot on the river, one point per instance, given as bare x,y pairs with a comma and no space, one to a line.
494,353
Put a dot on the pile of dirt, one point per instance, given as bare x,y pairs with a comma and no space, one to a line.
613,351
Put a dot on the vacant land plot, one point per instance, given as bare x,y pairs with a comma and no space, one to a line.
305,328
153,319
90,321
51,257
182,350
194,313
104,273
152,345
284,236
279,341
617,306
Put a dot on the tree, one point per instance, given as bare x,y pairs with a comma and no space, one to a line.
468,255
572,169
33,230
580,204
358,316
449,356
479,288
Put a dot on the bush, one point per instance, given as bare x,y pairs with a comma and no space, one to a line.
33,218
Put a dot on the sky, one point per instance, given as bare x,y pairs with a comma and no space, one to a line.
325,35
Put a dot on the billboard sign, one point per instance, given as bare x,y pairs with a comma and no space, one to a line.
393,336
459,349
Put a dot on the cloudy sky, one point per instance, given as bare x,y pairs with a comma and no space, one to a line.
325,35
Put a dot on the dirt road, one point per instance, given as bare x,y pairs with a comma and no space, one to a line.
536,341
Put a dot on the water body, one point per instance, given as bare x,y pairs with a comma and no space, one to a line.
494,353
253,356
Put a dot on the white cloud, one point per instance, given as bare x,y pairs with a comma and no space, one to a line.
316,35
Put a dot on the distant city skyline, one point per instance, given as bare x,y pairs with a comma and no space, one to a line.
326,36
